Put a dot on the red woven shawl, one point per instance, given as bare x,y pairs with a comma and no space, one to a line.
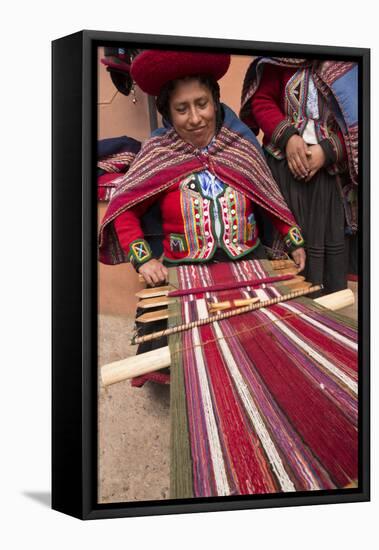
235,157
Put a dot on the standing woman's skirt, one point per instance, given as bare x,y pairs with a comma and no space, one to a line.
318,209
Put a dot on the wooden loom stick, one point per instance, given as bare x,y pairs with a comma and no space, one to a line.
135,366
152,316
299,284
219,306
160,314
337,300
154,291
160,358
288,271
226,315
282,264
295,281
164,290
154,302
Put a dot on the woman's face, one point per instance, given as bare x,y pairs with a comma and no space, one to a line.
193,112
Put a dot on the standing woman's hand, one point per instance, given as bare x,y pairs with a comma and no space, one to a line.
316,160
154,272
297,153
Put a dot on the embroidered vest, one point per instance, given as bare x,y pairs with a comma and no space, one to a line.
218,218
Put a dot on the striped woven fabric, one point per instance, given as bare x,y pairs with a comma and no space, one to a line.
263,402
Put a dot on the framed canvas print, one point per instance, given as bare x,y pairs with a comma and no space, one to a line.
210,274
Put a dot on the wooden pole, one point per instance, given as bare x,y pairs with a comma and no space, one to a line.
282,264
225,315
337,300
158,301
163,291
152,316
154,292
212,306
135,366
219,306
160,358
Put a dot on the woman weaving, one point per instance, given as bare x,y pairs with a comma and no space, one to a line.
204,167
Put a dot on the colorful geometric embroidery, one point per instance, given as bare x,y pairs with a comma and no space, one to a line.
140,252
233,206
296,96
237,231
294,237
202,216
197,217
178,242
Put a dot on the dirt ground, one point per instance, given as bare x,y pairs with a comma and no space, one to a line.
134,424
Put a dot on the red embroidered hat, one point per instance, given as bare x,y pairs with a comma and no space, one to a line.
151,69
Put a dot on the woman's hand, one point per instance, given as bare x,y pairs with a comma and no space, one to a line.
154,272
298,153
299,258
316,160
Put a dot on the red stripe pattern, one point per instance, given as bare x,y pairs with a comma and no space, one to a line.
271,396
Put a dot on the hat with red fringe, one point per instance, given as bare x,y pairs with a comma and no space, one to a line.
151,69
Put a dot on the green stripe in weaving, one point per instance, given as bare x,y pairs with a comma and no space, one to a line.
181,483
340,317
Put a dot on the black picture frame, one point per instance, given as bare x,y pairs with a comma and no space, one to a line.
74,272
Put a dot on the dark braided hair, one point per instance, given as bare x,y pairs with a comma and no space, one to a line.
163,100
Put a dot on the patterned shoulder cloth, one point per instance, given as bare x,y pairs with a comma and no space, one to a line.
235,157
